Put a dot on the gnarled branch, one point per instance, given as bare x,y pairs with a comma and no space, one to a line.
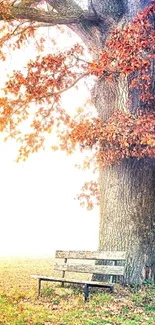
22,11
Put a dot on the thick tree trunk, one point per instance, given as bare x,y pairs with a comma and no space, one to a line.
127,190
127,197
128,215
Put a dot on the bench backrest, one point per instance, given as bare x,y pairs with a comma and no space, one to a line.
110,270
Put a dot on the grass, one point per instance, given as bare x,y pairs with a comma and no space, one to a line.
19,304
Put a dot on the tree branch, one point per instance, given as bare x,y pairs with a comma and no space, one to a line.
22,11
64,12
84,28
88,30
65,6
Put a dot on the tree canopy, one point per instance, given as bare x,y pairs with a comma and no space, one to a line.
128,52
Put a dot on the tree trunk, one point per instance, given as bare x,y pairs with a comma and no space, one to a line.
127,189
127,197
127,215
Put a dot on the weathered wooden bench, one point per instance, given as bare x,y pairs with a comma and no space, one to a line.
110,270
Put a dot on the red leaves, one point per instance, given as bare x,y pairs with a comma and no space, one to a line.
130,52
46,78
123,136
89,195
42,83
35,94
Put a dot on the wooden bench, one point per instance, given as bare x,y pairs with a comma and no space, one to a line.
85,267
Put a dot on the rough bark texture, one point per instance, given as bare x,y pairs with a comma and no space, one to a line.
127,190
127,215
25,11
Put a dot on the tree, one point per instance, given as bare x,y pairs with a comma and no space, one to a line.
122,135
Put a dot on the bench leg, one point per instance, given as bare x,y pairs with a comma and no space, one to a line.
86,292
111,289
39,286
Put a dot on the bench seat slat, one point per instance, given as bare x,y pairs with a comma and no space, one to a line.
91,283
85,268
92,255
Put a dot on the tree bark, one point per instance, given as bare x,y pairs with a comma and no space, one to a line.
127,189
127,196
127,215
25,12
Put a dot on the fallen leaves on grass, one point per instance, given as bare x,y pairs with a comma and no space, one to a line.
62,306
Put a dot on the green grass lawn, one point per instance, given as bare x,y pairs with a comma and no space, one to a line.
19,304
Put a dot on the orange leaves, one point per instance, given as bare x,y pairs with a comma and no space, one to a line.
5,10
122,136
89,196
42,83
54,148
46,78
34,94
31,143
130,52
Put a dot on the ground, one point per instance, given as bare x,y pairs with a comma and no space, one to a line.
19,304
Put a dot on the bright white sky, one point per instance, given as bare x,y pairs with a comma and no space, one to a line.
38,210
